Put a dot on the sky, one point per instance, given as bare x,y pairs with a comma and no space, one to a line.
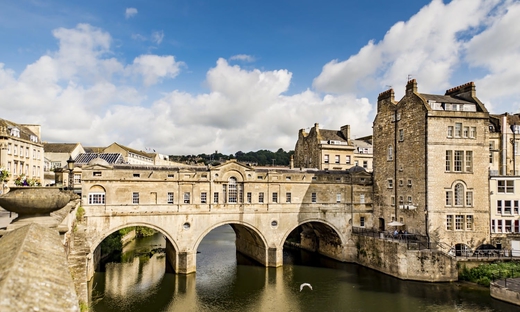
198,76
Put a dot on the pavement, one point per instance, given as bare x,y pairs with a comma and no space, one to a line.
6,217
510,283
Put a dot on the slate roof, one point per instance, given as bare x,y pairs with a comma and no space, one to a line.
111,158
25,133
59,147
93,149
444,99
131,150
334,135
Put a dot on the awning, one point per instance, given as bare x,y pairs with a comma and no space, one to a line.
395,223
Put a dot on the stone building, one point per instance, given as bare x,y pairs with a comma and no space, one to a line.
332,149
21,150
431,160
56,156
504,180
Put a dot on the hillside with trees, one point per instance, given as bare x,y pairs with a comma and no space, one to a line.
258,158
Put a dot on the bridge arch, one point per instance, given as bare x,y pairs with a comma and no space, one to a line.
249,240
320,236
95,243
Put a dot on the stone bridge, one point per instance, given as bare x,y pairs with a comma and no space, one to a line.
262,205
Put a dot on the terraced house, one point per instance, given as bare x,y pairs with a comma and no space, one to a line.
431,155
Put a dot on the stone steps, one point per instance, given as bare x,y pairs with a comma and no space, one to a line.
78,262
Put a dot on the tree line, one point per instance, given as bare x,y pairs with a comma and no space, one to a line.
258,158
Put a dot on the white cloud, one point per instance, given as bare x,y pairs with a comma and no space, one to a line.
157,36
243,58
130,12
153,68
427,46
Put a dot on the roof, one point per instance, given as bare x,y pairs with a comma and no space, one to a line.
25,133
444,99
334,135
59,147
131,150
111,158
93,149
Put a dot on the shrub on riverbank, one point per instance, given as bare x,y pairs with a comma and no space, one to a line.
485,273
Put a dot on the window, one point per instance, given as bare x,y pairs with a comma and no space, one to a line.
362,221
27,152
249,197
499,206
96,173
392,200
506,186
409,182
469,161
515,206
361,198
390,183
287,197
450,131
401,135
203,197
275,197
401,182
449,222
458,129
96,198
493,226
313,197
507,207
347,160
457,161
215,197
517,226
232,187
449,198
499,226
170,197
261,197
186,197
135,198
390,153
365,164
472,132
469,223
449,155
459,222
326,158
9,147
469,199
465,132
170,175
336,159
137,175
338,198
459,194
77,178
507,226
409,200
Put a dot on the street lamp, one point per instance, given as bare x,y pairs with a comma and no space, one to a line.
70,166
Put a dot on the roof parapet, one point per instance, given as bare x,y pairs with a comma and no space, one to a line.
467,89
388,94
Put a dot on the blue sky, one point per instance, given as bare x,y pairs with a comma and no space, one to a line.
197,76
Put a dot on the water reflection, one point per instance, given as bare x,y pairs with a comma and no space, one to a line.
226,281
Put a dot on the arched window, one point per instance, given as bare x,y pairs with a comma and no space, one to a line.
96,195
459,194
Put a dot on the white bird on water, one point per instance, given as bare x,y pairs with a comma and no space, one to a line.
305,284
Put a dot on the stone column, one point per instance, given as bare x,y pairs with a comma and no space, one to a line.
182,262
274,257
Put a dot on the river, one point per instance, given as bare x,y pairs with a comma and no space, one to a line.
227,281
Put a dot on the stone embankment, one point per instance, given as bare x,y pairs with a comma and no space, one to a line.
507,290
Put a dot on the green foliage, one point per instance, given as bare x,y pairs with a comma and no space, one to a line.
111,243
485,273
83,306
258,158
142,231
127,230
80,213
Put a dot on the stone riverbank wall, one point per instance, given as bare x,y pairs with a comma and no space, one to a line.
393,258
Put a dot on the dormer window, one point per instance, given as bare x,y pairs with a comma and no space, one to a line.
34,138
15,132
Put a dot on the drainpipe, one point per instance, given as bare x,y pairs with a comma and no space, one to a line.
396,129
426,178
504,145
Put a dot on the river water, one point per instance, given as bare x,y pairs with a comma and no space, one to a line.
226,281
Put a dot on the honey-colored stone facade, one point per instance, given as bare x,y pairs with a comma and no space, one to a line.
431,165
332,150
